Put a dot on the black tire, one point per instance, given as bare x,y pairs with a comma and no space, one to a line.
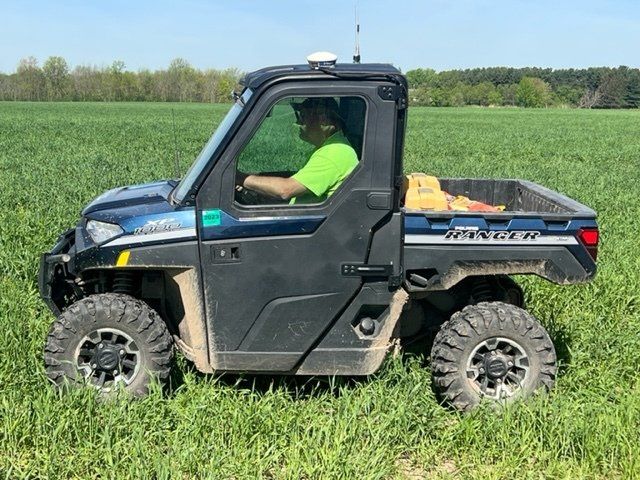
491,350
104,334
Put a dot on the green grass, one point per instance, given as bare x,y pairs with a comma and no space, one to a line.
55,157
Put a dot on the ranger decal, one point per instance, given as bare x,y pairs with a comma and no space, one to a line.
156,226
523,235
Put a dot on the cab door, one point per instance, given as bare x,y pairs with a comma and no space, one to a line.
276,275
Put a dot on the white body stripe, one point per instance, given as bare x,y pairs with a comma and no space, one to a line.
183,234
414,239
411,239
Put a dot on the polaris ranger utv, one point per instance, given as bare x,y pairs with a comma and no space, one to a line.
242,282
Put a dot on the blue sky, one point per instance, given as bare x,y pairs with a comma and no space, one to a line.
251,34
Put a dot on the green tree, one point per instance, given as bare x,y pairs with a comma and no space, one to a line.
147,85
8,87
30,79
532,92
57,79
508,93
613,89
484,94
227,82
438,97
88,83
420,96
567,95
632,97
448,79
421,77
181,78
116,80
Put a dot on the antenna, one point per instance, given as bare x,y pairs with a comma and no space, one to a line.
175,144
356,55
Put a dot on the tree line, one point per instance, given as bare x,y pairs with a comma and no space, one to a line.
55,80
600,87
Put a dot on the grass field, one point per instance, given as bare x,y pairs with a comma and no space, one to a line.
55,157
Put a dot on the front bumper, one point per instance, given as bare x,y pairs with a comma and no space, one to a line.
54,274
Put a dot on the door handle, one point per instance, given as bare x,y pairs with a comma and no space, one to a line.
225,253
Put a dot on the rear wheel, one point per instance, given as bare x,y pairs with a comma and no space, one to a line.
109,341
493,351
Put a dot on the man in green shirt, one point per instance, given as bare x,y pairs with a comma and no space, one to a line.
331,162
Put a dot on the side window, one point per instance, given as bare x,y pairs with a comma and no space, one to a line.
302,152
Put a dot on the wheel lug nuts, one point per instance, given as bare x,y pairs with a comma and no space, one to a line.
510,364
481,370
121,352
100,346
94,365
115,372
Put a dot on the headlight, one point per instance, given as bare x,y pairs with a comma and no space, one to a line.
102,231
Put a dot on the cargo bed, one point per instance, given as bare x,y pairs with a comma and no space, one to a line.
540,232
520,197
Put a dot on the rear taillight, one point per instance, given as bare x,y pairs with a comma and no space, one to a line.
589,237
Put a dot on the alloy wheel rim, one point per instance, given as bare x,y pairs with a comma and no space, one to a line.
107,357
498,368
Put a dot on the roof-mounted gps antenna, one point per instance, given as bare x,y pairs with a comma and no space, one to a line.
320,60
356,54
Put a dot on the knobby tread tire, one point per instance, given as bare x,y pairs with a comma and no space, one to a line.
109,310
465,329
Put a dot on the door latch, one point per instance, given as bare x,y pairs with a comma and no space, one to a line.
225,253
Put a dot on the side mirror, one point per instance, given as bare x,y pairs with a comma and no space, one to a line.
237,96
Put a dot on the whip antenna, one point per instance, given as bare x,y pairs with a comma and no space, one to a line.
356,55
175,145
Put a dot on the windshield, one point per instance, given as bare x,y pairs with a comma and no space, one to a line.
209,149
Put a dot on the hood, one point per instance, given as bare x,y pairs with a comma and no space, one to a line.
122,197
140,209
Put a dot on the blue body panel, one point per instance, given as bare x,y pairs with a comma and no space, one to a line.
231,227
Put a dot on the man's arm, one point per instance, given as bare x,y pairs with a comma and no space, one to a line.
284,188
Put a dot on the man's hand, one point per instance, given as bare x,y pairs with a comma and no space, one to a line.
240,178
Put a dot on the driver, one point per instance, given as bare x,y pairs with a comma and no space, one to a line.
330,163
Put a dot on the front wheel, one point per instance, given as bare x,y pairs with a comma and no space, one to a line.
107,341
493,351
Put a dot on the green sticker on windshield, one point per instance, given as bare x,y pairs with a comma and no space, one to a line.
211,218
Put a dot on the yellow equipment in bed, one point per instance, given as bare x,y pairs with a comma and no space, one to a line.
423,192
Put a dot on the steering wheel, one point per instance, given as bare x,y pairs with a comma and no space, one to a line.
244,196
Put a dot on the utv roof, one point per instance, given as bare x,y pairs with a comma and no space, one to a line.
344,70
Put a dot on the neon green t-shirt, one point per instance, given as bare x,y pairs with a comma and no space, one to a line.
326,169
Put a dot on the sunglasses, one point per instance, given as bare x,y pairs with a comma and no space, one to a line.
303,116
